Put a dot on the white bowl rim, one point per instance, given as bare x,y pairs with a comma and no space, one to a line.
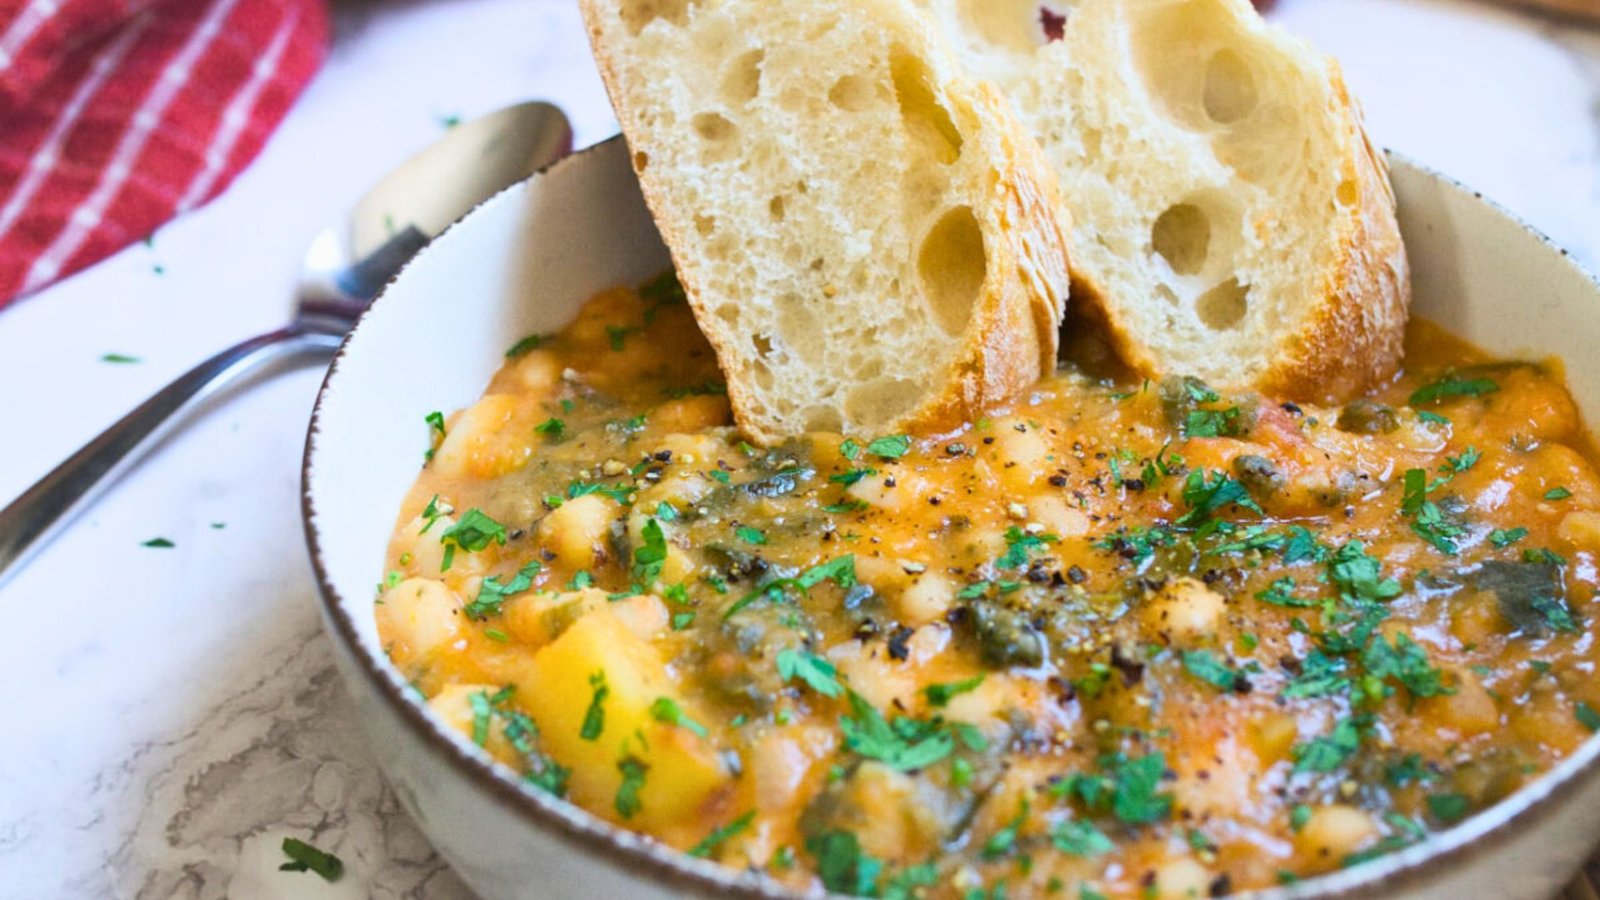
642,854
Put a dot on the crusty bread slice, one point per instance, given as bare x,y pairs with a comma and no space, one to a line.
867,238
1230,218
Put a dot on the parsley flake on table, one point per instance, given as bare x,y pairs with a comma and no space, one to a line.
305,858
119,358
159,543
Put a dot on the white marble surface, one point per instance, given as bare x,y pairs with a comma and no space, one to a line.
172,714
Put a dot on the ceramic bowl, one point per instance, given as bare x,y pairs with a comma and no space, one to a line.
525,261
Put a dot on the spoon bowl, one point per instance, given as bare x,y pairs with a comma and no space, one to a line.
346,266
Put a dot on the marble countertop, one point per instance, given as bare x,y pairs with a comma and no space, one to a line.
174,713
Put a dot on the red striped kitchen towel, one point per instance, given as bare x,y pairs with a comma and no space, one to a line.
116,115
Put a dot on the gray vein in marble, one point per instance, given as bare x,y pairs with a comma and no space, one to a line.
278,756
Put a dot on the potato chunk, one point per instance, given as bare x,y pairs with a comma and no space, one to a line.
681,771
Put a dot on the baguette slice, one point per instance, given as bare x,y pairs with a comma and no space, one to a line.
1231,219
866,236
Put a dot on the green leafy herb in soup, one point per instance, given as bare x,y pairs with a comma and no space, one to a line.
1121,639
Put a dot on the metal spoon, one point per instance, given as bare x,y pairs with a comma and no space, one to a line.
347,265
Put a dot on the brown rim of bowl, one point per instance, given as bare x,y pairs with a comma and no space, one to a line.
635,851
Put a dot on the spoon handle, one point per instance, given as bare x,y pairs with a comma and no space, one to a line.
33,518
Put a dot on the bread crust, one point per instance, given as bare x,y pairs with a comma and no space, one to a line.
1015,334
1012,336
1355,338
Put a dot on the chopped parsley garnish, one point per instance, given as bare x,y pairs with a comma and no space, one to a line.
1451,386
492,594
1505,537
942,694
1080,837
750,535
1281,593
621,493
818,674
1320,675
664,289
552,428
1543,555
1206,497
1139,543
1128,788
848,506
1329,752
473,532
1001,842
1213,423
1359,576
1405,662
649,557
842,865
530,342
721,834
1586,716
435,421
667,710
1448,808
840,570
892,447
594,718
616,335
851,476
1428,521
633,771
1468,458
1433,417
305,858
481,710
1557,493
849,449
666,512
1206,667
1019,544
905,744
159,543
1298,817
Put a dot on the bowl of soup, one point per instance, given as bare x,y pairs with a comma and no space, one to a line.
1121,637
